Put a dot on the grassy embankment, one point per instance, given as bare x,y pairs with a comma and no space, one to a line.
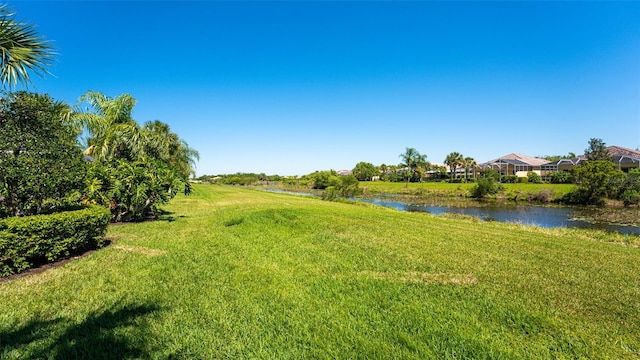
511,191
520,191
237,273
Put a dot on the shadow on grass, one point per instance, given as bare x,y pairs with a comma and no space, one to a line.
112,334
167,216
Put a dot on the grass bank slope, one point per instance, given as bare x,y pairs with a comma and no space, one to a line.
445,189
236,273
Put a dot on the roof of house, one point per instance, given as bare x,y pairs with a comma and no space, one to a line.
622,151
618,153
517,159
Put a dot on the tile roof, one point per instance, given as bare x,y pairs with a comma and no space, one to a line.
519,159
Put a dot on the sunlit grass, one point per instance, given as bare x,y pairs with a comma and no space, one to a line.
460,190
236,273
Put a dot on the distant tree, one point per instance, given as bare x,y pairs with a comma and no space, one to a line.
597,150
453,160
554,158
469,162
40,164
323,179
364,171
22,50
596,180
411,160
348,186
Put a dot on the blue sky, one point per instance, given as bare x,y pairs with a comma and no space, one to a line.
293,87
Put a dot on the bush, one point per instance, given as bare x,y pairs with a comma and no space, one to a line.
346,187
40,164
131,189
561,177
533,177
509,179
34,240
630,197
543,196
485,186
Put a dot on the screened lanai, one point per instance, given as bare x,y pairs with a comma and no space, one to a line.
514,164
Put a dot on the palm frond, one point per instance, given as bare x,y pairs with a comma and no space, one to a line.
22,51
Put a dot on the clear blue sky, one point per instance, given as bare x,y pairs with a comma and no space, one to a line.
292,87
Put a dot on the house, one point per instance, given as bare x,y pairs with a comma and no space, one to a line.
515,164
625,158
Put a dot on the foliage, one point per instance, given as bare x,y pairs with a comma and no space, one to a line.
132,190
554,158
509,179
137,167
364,171
561,177
22,50
597,150
346,187
596,180
242,178
485,186
111,131
323,179
630,197
29,240
161,144
629,189
412,161
533,177
40,166
454,160
469,163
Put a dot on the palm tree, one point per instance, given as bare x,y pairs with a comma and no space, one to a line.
469,162
163,145
412,159
453,160
110,129
22,51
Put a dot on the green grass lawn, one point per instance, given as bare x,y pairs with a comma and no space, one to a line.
238,273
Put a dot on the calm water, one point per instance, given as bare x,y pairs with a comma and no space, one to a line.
546,217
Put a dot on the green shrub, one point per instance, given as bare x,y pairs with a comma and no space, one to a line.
33,240
533,177
40,164
509,179
485,186
561,177
630,197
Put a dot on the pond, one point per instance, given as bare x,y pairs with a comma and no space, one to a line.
541,216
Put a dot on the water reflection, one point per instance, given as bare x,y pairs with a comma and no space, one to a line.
546,217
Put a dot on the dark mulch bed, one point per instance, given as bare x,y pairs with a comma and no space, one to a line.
44,267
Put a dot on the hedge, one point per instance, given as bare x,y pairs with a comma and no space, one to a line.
35,240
